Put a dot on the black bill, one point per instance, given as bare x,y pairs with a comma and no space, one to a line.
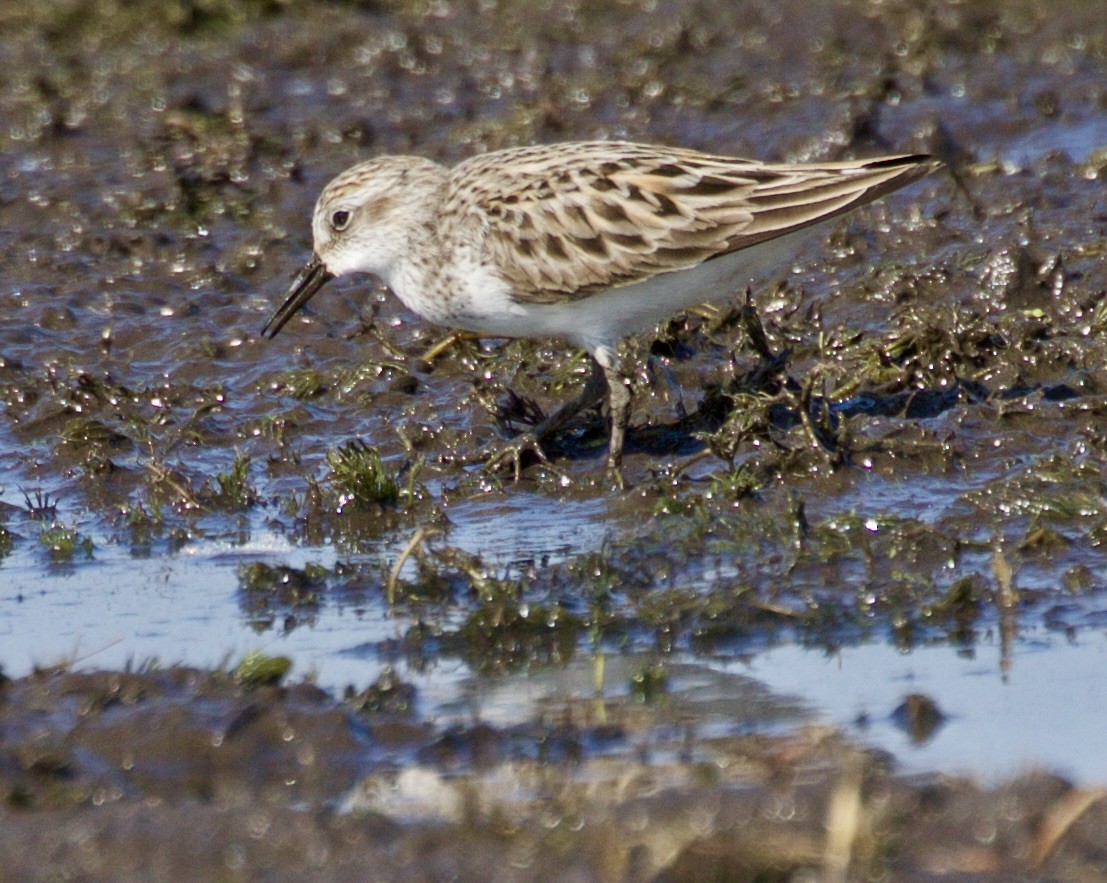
309,280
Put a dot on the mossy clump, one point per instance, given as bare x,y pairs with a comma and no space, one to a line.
65,543
259,670
360,478
235,492
302,383
500,636
267,587
388,694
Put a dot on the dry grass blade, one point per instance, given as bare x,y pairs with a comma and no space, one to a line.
413,544
164,475
446,343
1005,578
843,823
1058,819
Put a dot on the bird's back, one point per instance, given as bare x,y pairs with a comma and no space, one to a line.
563,222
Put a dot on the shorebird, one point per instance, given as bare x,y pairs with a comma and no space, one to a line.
585,241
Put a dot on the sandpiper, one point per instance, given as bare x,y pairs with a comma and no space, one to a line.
585,241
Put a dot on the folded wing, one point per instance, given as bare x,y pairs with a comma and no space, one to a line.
563,221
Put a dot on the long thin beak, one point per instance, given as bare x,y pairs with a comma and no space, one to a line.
309,280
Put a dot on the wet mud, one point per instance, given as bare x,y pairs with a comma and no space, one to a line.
164,773
900,437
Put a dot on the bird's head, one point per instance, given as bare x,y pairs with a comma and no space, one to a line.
363,222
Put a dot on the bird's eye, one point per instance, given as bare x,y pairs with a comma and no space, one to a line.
340,219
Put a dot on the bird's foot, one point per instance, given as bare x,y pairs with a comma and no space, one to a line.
514,454
614,474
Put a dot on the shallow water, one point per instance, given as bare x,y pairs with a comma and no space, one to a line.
1038,704
1032,699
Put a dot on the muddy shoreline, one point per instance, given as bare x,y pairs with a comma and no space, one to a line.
167,772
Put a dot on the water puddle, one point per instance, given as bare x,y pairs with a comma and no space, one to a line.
1042,702
1036,699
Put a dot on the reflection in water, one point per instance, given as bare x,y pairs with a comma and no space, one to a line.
196,605
1004,705
1049,708
919,717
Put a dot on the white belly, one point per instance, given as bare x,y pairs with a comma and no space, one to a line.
601,320
605,318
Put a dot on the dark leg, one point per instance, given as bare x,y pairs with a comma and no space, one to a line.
512,451
593,392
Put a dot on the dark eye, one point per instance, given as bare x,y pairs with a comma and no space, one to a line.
340,219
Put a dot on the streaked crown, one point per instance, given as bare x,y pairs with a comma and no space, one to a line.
365,216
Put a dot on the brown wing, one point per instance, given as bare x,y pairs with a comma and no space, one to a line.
564,220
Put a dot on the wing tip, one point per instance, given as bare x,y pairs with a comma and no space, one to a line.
919,163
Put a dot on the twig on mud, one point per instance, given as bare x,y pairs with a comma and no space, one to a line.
843,822
445,343
164,475
422,534
1058,819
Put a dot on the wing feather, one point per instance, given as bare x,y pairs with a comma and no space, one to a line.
562,221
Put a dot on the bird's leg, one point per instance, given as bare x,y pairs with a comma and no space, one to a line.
618,396
593,392
513,450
